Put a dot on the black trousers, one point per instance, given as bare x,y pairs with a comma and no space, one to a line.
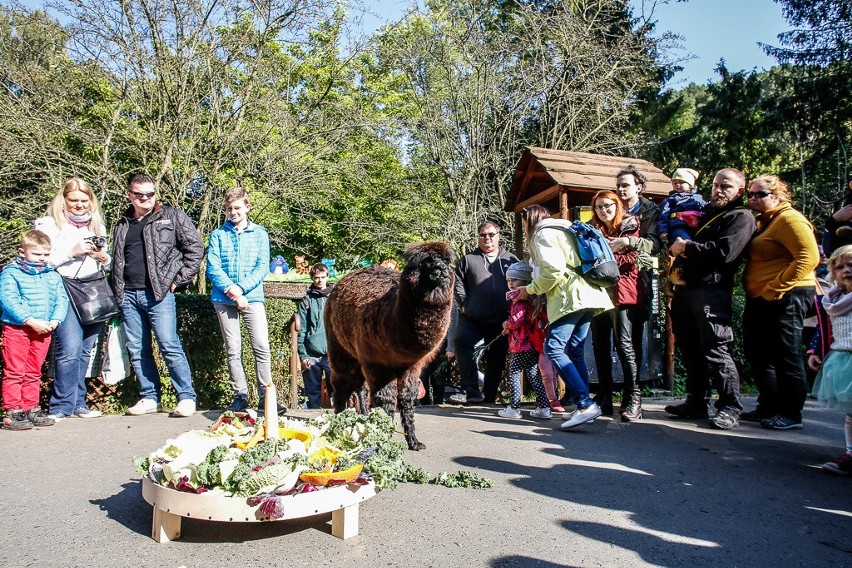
772,332
701,321
622,324
468,334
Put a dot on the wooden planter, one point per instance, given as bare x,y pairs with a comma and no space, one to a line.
170,506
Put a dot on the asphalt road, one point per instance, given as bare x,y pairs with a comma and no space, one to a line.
659,492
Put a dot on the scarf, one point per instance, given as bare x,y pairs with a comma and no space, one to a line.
31,267
78,221
324,292
837,302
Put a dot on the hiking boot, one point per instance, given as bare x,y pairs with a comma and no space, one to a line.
724,420
239,404
841,465
509,412
686,410
579,416
781,423
86,412
16,420
541,412
184,409
144,406
39,418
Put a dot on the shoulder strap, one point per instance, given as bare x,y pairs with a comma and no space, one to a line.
716,217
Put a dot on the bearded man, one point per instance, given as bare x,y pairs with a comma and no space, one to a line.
701,308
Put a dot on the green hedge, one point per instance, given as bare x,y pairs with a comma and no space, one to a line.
199,331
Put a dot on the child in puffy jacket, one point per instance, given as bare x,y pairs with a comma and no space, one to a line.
680,212
523,357
34,303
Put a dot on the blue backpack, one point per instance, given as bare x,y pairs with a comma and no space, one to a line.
597,263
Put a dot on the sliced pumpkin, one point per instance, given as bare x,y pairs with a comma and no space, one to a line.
291,433
321,479
326,453
254,440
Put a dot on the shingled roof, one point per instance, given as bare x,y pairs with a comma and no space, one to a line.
542,173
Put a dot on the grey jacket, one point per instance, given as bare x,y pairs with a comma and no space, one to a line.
173,251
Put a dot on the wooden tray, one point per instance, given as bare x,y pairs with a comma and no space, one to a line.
170,506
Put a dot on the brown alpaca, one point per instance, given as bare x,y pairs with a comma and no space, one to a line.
383,326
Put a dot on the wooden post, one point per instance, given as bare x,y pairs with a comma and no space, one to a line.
295,364
564,212
166,526
344,522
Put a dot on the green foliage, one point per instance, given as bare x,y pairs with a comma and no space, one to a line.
463,478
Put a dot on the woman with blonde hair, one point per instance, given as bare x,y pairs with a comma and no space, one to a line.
779,283
630,290
78,248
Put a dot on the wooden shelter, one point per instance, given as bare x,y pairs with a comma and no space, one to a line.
562,180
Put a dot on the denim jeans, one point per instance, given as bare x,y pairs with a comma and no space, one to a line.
74,345
312,378
564,346
254,317
142,314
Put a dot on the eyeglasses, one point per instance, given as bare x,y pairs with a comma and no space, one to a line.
758,194
487,235
143,195
604,207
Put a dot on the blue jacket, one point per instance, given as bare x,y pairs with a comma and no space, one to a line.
680,202
25,295
238,258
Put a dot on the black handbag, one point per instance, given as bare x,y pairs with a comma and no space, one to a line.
91,297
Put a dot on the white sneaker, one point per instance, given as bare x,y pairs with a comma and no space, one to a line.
509,412
184,408
582,416
144,406
541,413
86,412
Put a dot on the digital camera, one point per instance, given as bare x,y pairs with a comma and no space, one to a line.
98,241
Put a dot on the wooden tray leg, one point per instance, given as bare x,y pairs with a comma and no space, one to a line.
344,522
166,526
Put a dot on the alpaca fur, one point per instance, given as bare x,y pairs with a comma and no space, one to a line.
383,327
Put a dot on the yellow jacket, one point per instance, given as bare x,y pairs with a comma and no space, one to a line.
567,292
782,255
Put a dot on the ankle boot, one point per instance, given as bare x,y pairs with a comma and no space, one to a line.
633,411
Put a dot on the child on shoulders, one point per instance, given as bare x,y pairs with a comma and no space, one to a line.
523,357
34,303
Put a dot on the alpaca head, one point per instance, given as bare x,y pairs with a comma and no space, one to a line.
428,270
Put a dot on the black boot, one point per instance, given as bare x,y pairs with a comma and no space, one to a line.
633,412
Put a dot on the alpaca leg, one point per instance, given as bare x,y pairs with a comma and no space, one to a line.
407,393
383,397
346,378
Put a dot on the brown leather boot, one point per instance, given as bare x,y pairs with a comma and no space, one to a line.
633,411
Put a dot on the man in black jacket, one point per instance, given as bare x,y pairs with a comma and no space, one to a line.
480,292
701,309
156,250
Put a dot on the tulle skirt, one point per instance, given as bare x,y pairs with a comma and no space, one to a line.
833,385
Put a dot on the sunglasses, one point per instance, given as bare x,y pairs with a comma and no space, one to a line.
487,235
758,194
143,195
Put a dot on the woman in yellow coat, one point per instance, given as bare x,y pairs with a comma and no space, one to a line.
779,284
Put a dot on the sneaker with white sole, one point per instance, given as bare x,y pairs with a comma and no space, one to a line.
545,413
144,406
86,412
58,416
579,416
184,408
509,412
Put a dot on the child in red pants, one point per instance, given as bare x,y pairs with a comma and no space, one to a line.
34,303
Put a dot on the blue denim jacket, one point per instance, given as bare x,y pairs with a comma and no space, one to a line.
240,258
